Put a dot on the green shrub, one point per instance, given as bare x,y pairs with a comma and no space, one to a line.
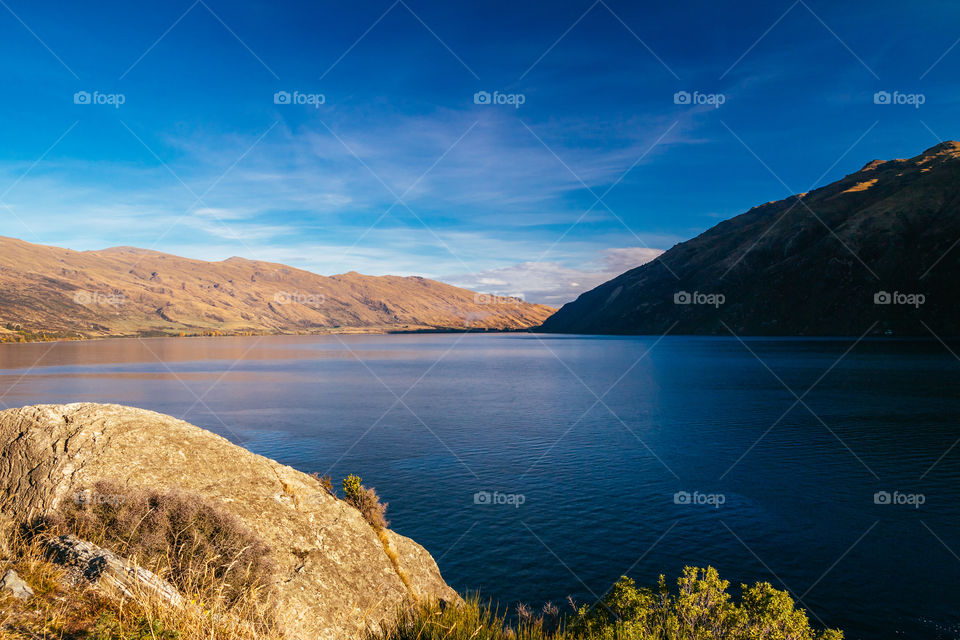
352,488
701,609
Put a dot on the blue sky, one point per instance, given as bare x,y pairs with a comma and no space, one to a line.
401,171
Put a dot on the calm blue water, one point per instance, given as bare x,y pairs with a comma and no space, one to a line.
595,436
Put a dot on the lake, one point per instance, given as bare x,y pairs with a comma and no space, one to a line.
534,467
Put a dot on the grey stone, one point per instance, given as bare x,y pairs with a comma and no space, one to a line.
87,561
14,584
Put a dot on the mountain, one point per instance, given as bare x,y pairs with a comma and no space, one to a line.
126,291
879,246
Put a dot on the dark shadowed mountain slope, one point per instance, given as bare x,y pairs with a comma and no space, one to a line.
879,246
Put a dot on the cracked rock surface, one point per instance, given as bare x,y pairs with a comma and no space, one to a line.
333,576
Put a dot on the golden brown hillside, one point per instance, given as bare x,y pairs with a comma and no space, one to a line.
126,291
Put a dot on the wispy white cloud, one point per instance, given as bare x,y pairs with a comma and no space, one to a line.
553,283
488,204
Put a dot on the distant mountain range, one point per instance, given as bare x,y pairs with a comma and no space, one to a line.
126,291
874,252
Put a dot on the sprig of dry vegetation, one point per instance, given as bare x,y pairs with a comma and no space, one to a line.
326,483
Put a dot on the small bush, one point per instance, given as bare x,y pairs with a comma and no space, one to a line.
194,544
366,501
352,488
701,609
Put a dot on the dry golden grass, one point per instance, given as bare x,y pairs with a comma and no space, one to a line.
219,603
861,186
65,611
395,561
197,546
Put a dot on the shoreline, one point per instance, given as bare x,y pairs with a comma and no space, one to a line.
380,331
478,330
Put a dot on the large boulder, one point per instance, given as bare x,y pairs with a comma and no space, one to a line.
333,578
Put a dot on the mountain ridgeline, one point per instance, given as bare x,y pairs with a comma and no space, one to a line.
126,291
876,252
